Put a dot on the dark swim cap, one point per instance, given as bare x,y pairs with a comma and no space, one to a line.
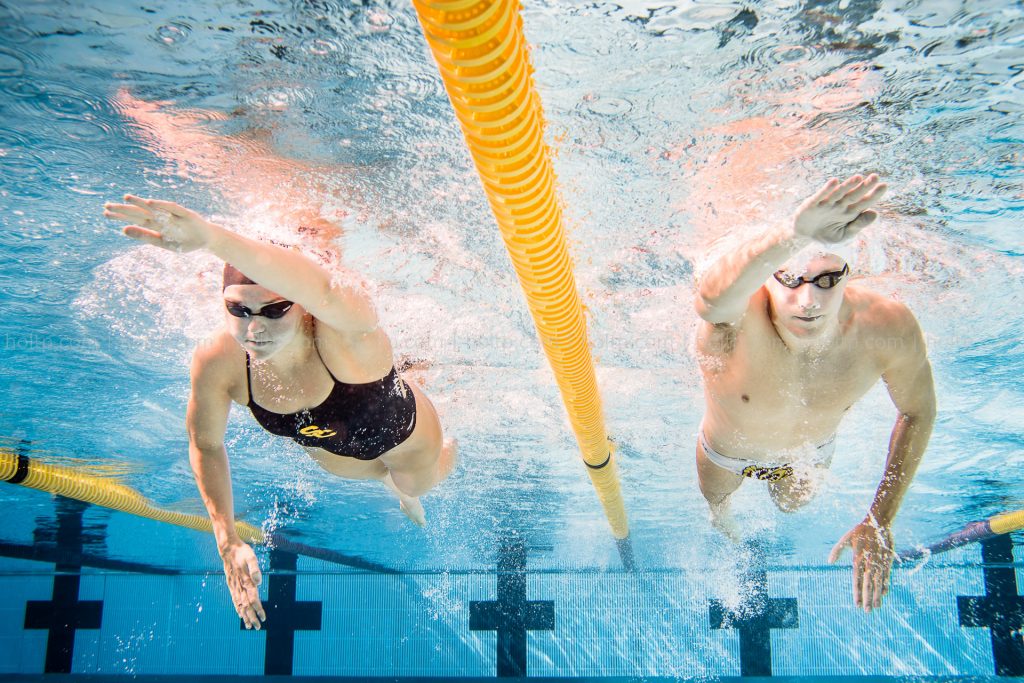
233,276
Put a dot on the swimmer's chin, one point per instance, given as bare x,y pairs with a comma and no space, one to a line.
259,349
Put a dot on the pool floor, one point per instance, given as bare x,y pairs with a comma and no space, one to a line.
961,620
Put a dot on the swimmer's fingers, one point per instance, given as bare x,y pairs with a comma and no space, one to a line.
876,581
246,597
867,581
251,608
858,579
822,195
238,597
881,586
249,618
858,562
838,548
161,205
840,190
858,191
129,213
868,198
147,236
253,565
862,221
246,608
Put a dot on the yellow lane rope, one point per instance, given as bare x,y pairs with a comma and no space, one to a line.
1007,522
71,483
483,59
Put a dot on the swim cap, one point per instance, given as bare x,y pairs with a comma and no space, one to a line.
797,264
233,276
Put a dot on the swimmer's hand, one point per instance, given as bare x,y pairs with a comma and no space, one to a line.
873,554
838,211
242,571
162,224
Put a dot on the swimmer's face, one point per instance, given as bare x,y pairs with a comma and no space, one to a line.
808,310
259,335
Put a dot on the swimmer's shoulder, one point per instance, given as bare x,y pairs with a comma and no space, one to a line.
887,325
878,313
218,366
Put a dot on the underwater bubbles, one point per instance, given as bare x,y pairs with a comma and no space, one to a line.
409,92
767,54
173,33
607,106
278,96
67,102
790,53
322,47
12,62
378,21
24,89
23,174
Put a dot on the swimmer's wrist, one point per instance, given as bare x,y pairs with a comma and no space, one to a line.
226,536
793,238
218,240
877,520
225,546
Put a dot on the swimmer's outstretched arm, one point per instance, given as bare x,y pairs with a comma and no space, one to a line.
206,419
908,376
837,212
340,305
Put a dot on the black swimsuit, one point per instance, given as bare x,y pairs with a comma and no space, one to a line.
361,421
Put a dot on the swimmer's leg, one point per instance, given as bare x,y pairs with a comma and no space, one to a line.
717,484
411,505
420,478
793,492
448,460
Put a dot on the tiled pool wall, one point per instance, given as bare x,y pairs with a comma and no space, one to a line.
964,619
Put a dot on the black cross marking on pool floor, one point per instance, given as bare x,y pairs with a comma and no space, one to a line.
285,614
512,615
63,614
1001,609
755,619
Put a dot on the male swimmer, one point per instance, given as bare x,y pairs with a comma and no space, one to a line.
786,347
304,352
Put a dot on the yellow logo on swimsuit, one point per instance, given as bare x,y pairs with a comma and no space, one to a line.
314,431
767,473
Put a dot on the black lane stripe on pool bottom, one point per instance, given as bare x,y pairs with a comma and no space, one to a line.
511,615
285,614
64,614
754,619
1001,609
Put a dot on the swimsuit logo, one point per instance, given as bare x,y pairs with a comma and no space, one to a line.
399,387
767,473
313,430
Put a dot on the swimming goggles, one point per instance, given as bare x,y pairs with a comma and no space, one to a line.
270,311
823,281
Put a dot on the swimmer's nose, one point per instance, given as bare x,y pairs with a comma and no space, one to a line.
805,297
256,324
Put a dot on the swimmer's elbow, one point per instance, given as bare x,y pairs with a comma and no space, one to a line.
347,308
713,312
921,416
204,447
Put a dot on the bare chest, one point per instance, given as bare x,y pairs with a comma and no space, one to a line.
755,379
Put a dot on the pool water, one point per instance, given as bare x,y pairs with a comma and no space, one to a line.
676,129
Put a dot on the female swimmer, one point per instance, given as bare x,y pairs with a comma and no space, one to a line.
304,352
